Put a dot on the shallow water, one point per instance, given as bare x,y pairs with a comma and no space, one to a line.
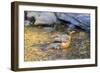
37,42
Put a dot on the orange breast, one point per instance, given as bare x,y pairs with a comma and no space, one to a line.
66,44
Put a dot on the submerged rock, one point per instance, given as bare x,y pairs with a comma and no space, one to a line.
54,46
45,47
48,29
61,37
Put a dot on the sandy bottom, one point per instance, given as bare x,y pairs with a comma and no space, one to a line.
79,47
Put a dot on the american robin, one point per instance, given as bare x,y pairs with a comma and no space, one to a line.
66,43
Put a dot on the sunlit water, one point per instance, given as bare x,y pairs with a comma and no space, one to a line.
78,48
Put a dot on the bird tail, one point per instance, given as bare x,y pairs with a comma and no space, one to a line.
72,32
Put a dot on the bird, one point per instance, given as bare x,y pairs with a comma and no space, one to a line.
64,40
66,43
